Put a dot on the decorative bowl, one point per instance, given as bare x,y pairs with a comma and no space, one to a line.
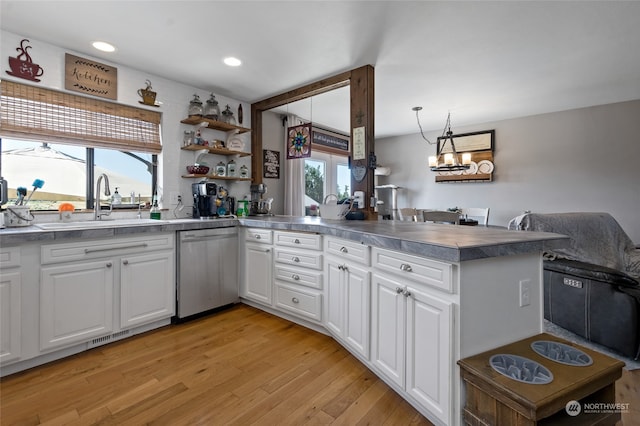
198,170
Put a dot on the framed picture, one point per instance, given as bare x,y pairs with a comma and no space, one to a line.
270,164
299,141
468,142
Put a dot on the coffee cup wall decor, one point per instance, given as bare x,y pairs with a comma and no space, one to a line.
148,96
23,66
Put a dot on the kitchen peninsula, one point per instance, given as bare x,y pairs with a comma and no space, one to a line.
407,299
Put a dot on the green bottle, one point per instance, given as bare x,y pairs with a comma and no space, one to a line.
155,210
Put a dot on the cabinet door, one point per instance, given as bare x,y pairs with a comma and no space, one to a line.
429,362
357,293
147,288
258,273
10,304
388,312
76,302
334,300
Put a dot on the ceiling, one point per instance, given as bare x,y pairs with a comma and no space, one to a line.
480,60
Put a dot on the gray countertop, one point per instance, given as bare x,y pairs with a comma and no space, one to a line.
443,242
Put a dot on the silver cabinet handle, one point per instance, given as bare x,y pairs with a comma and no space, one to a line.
267,250
125,262
296,241
257,236
406,293
295,300
296,277
345,267
340,267
406,267
109,265
296,259
399,290
344,249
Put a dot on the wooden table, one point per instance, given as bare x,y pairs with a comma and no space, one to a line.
495,399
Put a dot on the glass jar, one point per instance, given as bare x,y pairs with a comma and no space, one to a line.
211,109
244,171
195,107
227,116
231,168
221,169
188,138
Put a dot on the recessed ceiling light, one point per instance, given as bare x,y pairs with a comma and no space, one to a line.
232,62
104,46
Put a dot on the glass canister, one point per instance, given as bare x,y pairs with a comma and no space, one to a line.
188,138
211,109
227,116
221,169
244,171
195,107
231,168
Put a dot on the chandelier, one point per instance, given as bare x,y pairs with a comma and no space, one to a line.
445,160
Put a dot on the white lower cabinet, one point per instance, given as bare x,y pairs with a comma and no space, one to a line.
347,309
76,302
258,275
145,294
94,288
10,304
412,334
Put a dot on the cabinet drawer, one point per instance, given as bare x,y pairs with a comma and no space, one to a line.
259,235
298,239
416,268
94,249
302,302
9,257
348,250
300,276
306,259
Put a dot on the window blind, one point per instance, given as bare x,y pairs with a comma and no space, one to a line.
35,113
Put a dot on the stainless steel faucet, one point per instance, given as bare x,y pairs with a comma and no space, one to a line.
97,215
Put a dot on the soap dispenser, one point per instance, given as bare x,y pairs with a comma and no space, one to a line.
117,198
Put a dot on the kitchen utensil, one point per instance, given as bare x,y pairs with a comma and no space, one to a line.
36,184
22,191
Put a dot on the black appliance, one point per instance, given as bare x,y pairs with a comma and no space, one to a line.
211,200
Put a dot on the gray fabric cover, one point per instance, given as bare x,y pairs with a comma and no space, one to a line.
596,238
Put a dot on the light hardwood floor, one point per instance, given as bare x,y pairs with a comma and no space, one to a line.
239,366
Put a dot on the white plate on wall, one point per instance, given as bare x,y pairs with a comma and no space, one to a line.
485,167
473,169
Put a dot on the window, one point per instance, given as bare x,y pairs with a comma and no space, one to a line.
325,174
69,175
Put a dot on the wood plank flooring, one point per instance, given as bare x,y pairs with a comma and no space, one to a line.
239,366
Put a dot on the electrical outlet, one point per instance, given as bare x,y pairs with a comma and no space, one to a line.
525,293
175,198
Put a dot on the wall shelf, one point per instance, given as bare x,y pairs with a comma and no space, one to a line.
482,177
214,177
219,151
214,124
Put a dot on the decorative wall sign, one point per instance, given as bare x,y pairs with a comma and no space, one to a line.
359,151
23,66
270,164
90,77
469,142
330,141
299,141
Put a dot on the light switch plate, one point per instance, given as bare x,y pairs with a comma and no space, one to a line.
525,293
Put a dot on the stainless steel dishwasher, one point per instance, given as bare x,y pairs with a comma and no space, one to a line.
207,270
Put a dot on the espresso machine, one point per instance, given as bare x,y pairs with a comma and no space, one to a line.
259,206
211,200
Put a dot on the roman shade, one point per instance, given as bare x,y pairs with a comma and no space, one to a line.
35,113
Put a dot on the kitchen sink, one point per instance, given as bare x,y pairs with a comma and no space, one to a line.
92,224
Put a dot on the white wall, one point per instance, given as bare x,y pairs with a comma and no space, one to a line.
273,139
579,160
175,99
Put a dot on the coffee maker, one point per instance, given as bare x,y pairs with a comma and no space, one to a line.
258,206
211,200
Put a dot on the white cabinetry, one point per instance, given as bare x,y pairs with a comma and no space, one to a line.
298,274
412,328
348,291
258,265
86,287
10,304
